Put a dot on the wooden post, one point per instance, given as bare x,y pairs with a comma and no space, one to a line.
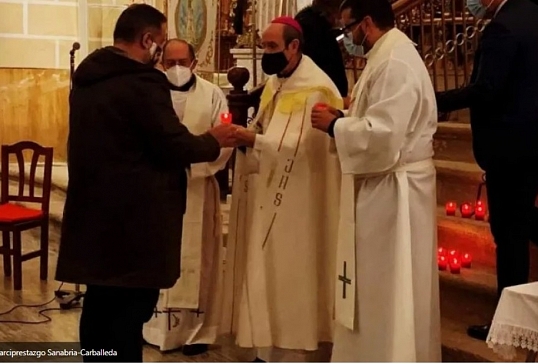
239,98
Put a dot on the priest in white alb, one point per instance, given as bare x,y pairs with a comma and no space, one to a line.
387,289
188,315
281,248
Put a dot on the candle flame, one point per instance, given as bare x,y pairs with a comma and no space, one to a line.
226,118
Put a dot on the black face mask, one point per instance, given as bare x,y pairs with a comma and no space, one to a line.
273,63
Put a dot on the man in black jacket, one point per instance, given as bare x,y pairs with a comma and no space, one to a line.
317,22
127,154
503,98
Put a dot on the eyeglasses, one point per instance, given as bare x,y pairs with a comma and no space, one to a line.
347,27
342,31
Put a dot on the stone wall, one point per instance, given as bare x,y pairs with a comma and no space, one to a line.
102,16
37,34
33,106
35,39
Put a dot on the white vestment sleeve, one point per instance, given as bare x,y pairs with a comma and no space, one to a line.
372,143
203,170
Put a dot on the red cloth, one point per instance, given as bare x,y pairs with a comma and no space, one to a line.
14,213
288,20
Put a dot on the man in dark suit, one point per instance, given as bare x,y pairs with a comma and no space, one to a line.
127,154
503,98
317,22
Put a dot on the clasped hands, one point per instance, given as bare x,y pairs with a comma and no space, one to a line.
322,116
232,136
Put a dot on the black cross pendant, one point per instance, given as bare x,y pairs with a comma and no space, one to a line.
345,280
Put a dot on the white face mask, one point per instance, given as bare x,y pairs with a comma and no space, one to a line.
179,75
154,53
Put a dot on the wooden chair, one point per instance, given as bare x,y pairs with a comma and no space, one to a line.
14,218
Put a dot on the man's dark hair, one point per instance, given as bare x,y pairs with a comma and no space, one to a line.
326,6
379,10
136,20
192,51
290,34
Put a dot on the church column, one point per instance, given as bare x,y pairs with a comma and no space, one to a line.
82,17
101,20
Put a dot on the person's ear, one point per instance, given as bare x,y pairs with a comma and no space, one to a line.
146,41
368,22
295,45
194,64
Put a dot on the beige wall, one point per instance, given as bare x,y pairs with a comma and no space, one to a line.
37,34
34,107
102,16
40,33
35,39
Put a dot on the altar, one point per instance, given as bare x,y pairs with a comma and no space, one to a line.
515,324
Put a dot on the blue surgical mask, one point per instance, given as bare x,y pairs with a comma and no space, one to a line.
352,48
477,9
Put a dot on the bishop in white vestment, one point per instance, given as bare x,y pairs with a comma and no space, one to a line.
284,216
387,293
189,314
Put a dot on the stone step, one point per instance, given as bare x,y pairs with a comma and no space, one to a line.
474,237
453,142
458,182
460,116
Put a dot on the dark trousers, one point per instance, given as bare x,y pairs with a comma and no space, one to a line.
112,319
511,196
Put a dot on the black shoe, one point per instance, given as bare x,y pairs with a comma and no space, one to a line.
258,360
194,349
479,332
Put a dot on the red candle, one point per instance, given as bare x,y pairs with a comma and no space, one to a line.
479,203
466,260
450,208
441,252
453,254
226,118
466,210
455,266
441,262
320,106
480,213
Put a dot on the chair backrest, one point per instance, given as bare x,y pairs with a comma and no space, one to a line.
37,151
